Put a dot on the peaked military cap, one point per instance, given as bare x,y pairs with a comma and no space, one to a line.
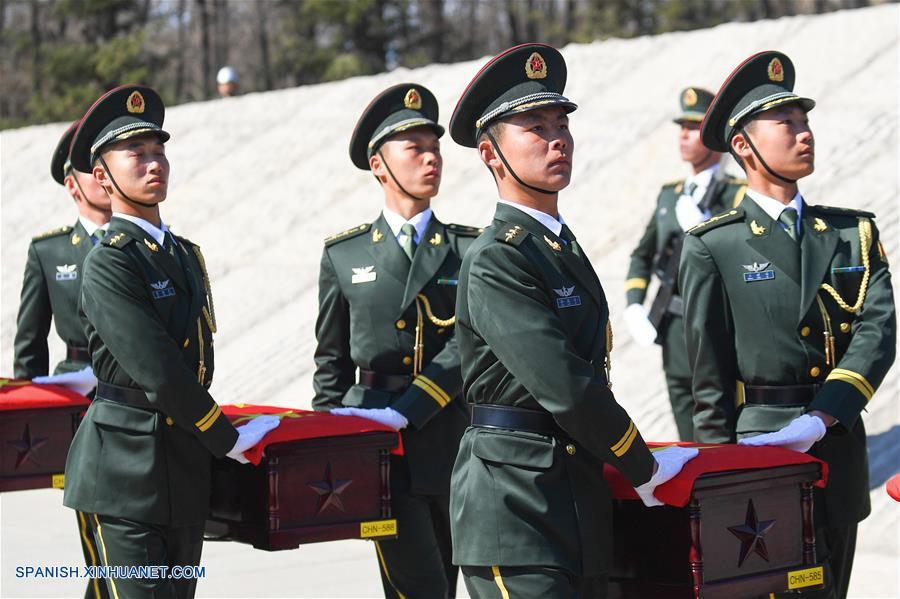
60,164
525,77
694,102
118,114
396,109
763,81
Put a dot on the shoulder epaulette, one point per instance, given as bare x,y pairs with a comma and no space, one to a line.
732,180
348,234
183,240
843,211
673,183
511,234
53,233
117,240
465,230
733,215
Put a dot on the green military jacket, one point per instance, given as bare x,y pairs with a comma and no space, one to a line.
149,327
50,291
533,331
758,312
655,246
368,312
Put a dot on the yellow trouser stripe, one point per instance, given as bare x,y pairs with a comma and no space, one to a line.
385,570
739,394
625,442
431,388
112,581
855,379
82,521
636,283
495,570
207,421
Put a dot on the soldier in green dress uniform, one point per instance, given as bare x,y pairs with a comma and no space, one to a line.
53,272
139,464
530,509
681,204
789,314
50,292
386,343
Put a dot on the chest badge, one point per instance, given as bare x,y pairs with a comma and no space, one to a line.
67,272
162,289
757,272
363,274
566,299
436,240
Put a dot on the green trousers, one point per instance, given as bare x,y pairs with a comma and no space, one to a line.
517,582
96,587
128,543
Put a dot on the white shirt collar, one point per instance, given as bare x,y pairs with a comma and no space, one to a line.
419,221
541,217
157,233
773,207
703,178
90,227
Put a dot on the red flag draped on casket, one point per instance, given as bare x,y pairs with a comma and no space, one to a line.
712,458
298,425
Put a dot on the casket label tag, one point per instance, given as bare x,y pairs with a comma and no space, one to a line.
810,577
377,528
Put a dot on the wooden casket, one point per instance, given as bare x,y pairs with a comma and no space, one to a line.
739,524
37,423
316,477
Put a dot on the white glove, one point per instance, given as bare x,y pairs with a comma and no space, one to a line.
640,327
670,461
799,435
250,434
82,381
687,213
386,416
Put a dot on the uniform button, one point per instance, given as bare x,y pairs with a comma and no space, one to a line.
441,331
570,449
814,371
804,331
407,360
187,342
845,327
169,420
401,324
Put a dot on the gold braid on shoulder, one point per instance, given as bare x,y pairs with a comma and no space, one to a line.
211,315
865,242
609,348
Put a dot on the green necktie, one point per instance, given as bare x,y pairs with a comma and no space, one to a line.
691,188
98,235
409,244
569,237
788,218
169,243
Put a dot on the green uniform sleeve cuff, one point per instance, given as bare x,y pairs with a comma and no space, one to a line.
841,399
421,401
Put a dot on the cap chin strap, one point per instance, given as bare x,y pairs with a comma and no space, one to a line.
119,189
391,173
511,171
85,197
760,158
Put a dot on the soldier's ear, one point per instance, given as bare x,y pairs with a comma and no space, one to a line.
101,177
377,165
71,187
739,146
488,154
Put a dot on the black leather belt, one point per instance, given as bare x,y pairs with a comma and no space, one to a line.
76,353
128,396
517,419
781,395
392,383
